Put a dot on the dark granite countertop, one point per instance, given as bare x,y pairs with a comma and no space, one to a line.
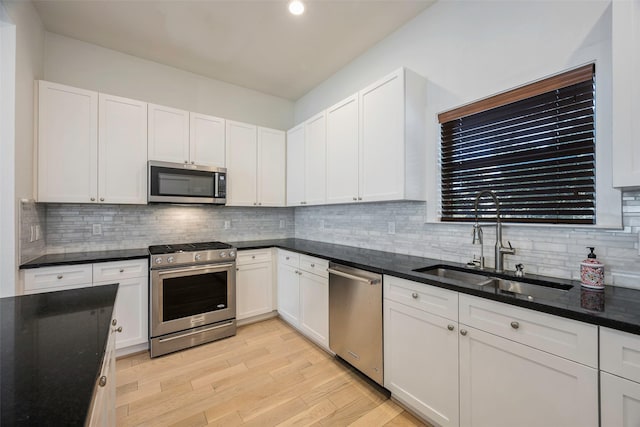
615,307
51,350
85,257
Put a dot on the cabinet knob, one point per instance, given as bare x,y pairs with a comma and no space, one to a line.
313,265
186,161
237,268
259,203
414,295
359,198
103,381
463,332
122,270
114,322
93,199
253,257
192,162
450,327
515,325
60,276
118,329
355,198
287,258
102,199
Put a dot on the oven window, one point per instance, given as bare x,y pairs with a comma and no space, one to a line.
193,295
181,183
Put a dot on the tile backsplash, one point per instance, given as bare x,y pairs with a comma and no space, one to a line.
400,227
391,226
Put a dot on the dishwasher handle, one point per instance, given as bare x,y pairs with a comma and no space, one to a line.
353,277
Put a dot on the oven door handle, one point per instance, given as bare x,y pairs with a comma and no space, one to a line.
195,268
224,325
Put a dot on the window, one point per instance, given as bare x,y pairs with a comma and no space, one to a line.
533,146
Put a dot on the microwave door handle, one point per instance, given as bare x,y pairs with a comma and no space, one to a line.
216,184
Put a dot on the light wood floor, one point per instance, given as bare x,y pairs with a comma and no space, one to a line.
266,375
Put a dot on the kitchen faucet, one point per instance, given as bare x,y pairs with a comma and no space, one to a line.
500,249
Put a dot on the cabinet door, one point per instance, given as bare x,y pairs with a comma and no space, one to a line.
315,164
132,311
206,140
421,361
122,150
625,39
382,139
168,134
241,154
271,167
295,166
314,307
67,144
253,290
342,151
506,384
103,406
289,293
619,401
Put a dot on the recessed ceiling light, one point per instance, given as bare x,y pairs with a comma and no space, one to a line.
296,7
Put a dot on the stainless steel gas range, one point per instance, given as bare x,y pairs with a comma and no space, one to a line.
192,299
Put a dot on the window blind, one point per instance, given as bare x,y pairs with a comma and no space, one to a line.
536,153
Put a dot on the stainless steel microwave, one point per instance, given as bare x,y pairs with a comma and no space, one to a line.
186,183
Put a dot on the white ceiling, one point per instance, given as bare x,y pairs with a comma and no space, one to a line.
252,43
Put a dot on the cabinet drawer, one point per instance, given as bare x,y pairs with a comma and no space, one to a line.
253,256
441,302
314,265
55,278
620,353
119,270
288,258
566,338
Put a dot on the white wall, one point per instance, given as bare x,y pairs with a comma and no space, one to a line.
469,50
89,66
28,67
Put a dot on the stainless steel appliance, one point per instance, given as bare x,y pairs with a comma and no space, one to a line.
355,318
192,299
186,183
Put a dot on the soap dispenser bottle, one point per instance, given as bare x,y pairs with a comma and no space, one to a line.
592,271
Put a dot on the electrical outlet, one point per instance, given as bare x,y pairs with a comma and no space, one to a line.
38,232
32,233
227,224
282,223
97,229
391,227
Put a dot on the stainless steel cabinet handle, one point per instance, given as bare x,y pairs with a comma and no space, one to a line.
103,381
186,161
118,329
122,270
114,322
359,198
351,276
254,203
414,295
102,199
259,203
60,276
515,325
463,332
450,327
355,198
93,199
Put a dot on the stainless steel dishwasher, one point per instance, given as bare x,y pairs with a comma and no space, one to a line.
355,318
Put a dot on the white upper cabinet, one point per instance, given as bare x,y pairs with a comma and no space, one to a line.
392,132
626,93
122,150
207,140
342,151
168,134
271,167
295,166
92,148
67,152
242,165
315,164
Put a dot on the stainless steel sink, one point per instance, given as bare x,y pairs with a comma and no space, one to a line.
530,288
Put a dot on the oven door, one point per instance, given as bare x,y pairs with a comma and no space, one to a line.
189,297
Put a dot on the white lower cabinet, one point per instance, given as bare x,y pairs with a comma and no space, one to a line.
303,294
421,362
506,384
103,405
254,283
619,401
132,303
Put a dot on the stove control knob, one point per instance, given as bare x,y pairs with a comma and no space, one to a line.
197,257
170,259
158,260
223,254
232,254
